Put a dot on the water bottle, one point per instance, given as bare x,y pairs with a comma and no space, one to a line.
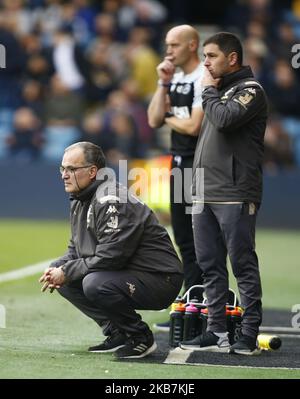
177,300
268,342
192,322
203,317
234,323
176,324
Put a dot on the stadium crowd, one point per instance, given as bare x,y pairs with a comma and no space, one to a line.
85,70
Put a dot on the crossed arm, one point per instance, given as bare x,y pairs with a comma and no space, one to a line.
160,104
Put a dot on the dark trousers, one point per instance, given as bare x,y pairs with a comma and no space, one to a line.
228,229
111,297
181,222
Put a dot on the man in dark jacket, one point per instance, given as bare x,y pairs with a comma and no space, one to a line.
179,91
228,161
119,257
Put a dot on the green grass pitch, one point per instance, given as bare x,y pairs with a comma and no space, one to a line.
45,337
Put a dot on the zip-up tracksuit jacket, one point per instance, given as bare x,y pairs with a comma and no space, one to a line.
230,152
230,146
119,259
113,232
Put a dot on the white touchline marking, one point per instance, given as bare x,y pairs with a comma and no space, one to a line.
279,330
25,271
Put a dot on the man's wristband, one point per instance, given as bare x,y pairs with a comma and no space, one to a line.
163,84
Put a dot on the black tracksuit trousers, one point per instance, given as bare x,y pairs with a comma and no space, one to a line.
110,298
181,221
221,229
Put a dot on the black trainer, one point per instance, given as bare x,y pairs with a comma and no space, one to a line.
207,342
111,344
137,347
245,345
163,327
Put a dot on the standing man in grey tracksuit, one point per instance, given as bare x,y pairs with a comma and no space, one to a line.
119,258
229,151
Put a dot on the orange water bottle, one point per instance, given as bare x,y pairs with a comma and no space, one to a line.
176,324
234,323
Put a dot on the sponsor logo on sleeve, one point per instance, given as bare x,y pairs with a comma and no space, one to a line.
112,225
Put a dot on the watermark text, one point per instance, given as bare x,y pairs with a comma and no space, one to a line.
296,318
2,56
296,57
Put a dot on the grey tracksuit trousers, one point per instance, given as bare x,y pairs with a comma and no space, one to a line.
221,229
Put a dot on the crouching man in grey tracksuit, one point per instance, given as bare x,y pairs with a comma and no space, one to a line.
119,258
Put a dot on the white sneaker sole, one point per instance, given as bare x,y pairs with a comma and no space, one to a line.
106,350
147,352
213,348
256,352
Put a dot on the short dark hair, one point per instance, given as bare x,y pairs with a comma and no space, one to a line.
93,154
227,43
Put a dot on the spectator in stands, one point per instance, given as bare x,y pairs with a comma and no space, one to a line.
87,43
150,14
125,137
285,40
68,59
106,30
278,147
110,6
48,18
62,106
284,96
258,56
63,113
32,94
26,140
103,76
239,15
285,90
84,19
137,108
79,15
142,62
93,132
38,59
15,12
117,101
10,79
39,68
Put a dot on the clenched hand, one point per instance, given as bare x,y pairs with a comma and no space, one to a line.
52,278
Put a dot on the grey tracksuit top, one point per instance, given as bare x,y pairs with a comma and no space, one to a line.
231,142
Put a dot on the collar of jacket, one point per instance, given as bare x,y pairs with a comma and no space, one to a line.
243,73
87,193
